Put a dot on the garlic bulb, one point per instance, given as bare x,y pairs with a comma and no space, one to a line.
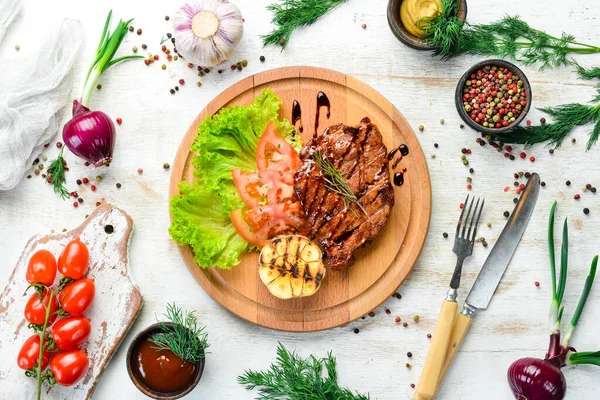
207,31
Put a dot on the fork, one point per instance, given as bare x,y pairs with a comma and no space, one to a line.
466,232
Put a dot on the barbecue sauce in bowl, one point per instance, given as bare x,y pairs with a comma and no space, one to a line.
162,370
160,374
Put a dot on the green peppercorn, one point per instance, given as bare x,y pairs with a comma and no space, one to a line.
442,121
244,63
416,319
421,128
166,166
134,49
465,162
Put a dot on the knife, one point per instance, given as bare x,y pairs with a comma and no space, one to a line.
491,273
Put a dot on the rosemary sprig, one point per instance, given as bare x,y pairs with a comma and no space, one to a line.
336,183
510,37
291,14
564,119
183,337
292,377
56,173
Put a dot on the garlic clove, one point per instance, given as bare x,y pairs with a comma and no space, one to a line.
207,32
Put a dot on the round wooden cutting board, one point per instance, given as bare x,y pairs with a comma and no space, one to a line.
381,266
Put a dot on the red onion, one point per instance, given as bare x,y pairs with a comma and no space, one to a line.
534,379
90,135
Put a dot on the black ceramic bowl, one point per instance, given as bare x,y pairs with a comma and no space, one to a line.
459,94
393,15
137,380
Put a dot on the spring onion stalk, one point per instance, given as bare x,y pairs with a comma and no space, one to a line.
589,281
108,46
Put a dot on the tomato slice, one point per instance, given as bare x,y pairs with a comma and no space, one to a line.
257,225
274,153
266,187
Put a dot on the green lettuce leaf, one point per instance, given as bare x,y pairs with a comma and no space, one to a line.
225,141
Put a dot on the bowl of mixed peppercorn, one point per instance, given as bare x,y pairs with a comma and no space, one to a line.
493,96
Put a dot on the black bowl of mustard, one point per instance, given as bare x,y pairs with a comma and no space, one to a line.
403,34
160,374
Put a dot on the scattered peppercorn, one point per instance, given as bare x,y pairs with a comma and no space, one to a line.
80,200
75,204
182,82
244,63
119,121
405,324
398,319
198,83
397,295
462,126
537,284
177,88
166,166
471,170
442,121
421,128
573,140
166,18
506,214
85,181
542,120
409,354
568,183
412,385
17,47
118,185
372,314
577,196
59,144
416,318
134,49
593,190
98,86
543,183
281,42
387,311
429,336
364,26
131,28
93,188
262,58
436,145
144,46
98,205
586,211
139,32
164,66
356,330
139,170
408,366
169,35
523,155
515,200
527,176
551,151
445,235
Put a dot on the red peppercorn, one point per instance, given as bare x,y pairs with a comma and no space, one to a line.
506,155
523,155
98,203
119,121
532,159
85,180
169,57
75,204
412,385
139,31
190,65
87,163
462,205
93,188
509,148
181,82
147,62
164,48
58,144
388,311
469,186
139,170
156,57
577,197
516,176
537,284
398,320
506,189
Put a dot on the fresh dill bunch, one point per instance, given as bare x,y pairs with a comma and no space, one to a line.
588,74
510,37
336,183
183,336
295,378
56,173
291,14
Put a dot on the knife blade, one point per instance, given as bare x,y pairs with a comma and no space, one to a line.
495,265
493,269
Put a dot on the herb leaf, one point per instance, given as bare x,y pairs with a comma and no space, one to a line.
56,173
292,377
510,37
291,14
184,337
335,182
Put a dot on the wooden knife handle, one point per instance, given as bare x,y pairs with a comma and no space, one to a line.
437,352
462,323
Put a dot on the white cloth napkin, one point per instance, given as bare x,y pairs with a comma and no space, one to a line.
32,93
8,11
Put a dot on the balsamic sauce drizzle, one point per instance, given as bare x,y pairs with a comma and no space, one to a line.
404,151
297,115
322,101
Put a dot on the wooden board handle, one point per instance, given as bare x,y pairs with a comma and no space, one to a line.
461,326
437,352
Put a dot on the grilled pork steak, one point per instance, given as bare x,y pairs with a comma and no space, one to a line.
361,157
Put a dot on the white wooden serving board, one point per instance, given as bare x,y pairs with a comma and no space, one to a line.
116,304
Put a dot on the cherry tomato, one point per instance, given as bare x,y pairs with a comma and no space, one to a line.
74,259
69,367
29,355
35,309
41,268
77,296
69,333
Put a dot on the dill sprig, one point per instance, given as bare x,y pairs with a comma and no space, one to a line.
564,119
56,173
510,37
183,336
291,14
336,183
295,378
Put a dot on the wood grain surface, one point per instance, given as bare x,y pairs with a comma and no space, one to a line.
382,265
422,87
116,304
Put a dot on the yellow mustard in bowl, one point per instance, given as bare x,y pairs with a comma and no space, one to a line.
411,11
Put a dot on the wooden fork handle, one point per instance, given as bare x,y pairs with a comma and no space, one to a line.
437,352
462,323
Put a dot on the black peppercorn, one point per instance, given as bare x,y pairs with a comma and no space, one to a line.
372,314
356,330
78,181
471,170
177,88
543,183
568,183
388,311
462,126
588,186
551,151
506,214
262,58
118,185
542,120
409,354
516,184
512,158
172,91
527,175
436,145
445,234
586,211
515,200
593,190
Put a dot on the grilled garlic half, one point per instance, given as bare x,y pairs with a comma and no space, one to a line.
206,32
291,266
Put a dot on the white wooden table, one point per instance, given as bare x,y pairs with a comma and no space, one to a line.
423,89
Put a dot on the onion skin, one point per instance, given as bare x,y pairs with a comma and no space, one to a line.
535,379
90,135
